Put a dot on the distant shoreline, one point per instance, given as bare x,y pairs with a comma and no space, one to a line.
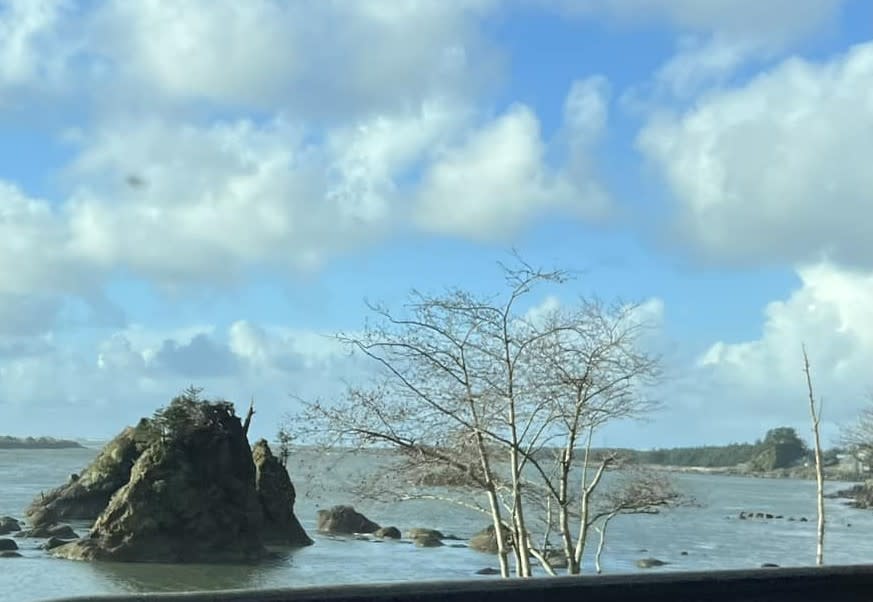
7,442
803,473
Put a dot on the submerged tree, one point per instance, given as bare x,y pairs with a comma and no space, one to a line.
504,402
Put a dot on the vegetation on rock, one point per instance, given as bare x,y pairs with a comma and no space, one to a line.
182,486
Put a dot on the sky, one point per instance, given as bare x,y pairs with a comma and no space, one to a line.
204,192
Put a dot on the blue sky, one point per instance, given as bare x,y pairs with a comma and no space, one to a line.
706,159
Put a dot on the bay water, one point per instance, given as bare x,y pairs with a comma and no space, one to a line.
706,536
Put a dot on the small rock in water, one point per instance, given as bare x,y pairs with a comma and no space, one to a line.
769,565
9,554
420,532
488,571
387,533
428,540
53,542
683,553
344,520
648,563
8,525
8,544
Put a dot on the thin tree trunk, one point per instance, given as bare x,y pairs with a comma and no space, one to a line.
815,414
502,556
563,515
600,544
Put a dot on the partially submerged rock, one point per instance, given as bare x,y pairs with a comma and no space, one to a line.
196,492
387,533
417,532
428,540
54,542
277,496
344,520
191,498
648,563
486,540
8,544
9,525
48,531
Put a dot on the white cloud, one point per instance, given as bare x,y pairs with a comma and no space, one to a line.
776,170
131,372
31,53
326,60
702,62
498,179
213,200
832,314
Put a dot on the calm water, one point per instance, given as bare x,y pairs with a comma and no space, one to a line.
710,534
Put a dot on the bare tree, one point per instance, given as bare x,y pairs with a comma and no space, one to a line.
815,415
499,401
858,437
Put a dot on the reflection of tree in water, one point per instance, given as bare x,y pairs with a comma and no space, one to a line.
152,577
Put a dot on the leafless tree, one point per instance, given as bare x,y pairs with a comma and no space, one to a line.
815,415
858,437
503,400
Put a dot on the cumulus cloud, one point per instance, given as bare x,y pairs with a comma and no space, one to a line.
831,312
775,170
497,179
93,389
33,51
257,54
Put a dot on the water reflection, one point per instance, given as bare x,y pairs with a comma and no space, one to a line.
152,577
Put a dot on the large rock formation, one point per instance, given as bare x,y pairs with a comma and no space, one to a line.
194,494
277,496
86,495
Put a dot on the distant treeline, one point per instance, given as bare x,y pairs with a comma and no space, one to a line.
709,456
7,442
780,448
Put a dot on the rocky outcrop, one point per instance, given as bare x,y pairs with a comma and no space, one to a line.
277,496
486,540
860,496
87,495
344,520
183,486
190,498
9,525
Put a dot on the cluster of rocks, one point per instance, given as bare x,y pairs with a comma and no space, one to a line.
202,495
859,496
345,520
767,515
